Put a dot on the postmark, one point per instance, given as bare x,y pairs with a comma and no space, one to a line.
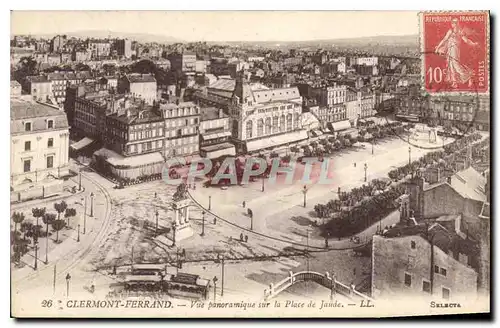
455,52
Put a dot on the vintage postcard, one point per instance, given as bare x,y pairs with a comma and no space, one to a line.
178,164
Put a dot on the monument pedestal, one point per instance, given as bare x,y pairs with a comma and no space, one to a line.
182,226
183,231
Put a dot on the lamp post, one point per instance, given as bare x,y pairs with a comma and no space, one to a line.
409,155
304,191
221,259
209,203
80,180
84,215
202,223
173,230
68,278
215,286
91,204
156,229
365,167
36,256
78,239
307,249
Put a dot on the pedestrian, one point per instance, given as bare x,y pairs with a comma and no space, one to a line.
246,238
194,186
215,220
354,164
241,236
114,269
244,204
354,272
184,252
155,195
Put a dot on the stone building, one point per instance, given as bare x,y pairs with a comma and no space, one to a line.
39,149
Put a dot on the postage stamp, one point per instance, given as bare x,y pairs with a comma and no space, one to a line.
454,51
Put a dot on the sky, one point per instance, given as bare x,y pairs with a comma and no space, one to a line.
222,26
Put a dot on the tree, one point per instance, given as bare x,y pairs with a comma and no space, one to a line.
38,213
60,208
48,218
70,212
58,225
28,67
17,217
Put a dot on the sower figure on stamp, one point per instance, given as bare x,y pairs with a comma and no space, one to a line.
456,72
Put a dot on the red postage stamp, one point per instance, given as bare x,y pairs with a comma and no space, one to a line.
455,51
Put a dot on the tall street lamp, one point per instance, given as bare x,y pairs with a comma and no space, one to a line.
215,286
36,255
80,179
91,204
202,223
68,278
409,155
84,215
304,191
209,203
220,258
156,229
78,240
307,249
365,167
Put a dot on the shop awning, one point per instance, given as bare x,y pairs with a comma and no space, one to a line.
339,126
275,141
215,135
81,144
216,151
117,160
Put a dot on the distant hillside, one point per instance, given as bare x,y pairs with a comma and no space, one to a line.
101,34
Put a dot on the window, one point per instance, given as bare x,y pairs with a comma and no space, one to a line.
426,286
275,124
179,132
289,122
27,145
50,124
413,246
50,162
268,126
282,123
249,129
407,279
186,122
436,269
50,142
446,293
442,271
260,127
27,165
27,126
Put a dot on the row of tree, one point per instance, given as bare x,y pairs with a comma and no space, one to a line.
440,158
29,233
